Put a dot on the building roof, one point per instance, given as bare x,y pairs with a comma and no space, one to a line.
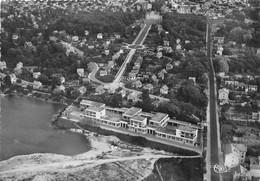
91,103
138,118
241,147
132,111
168,130
158,117
95,109
186,128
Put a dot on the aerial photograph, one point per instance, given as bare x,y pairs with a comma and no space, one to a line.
130,90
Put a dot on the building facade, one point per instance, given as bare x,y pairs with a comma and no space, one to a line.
134,119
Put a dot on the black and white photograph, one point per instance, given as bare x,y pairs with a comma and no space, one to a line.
130,90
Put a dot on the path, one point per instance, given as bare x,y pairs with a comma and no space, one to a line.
67,166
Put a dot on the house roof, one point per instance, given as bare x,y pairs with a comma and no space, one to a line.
241,147
158,117
138,118
186,128
91,103
95,109
132,111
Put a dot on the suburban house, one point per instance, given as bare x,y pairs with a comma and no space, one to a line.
254,171
82,90
234,154
2,65
164,89
135,120
100,36
13,78
252,88
36,75
149,87
37,84
223,96
102,72
80,72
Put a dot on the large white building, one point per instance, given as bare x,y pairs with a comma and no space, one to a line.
234,154
134,119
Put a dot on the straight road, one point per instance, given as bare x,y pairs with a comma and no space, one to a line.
214,147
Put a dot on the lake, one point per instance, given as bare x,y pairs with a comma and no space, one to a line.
26,128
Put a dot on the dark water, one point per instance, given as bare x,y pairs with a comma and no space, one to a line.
26,128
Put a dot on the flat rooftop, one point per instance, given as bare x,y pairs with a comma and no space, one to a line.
158,117
114,117
95,109
91,103
138,118
132,111
168,130
186,128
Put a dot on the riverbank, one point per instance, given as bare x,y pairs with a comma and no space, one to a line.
44,96
103,161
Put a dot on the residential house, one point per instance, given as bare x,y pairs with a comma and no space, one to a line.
13,78
111,89
91,47
80,72
252,88
132,75
37,84
159,54
193,79
254,170
103,72
123,93
166,43
2,65
137,84
133,96
176,63
36,75
234,154
223,96
100,89
15,37
60,88
256,116
99,36
164,90
19,65
149,87
75,38
17,71
61,78
117,36
178,47
220,50
169,66
106,52
30,68
111,64
82,90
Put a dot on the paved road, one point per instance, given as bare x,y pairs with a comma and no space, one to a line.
215,146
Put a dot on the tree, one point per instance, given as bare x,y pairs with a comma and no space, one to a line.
116,100
224,67
44,79
7,80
